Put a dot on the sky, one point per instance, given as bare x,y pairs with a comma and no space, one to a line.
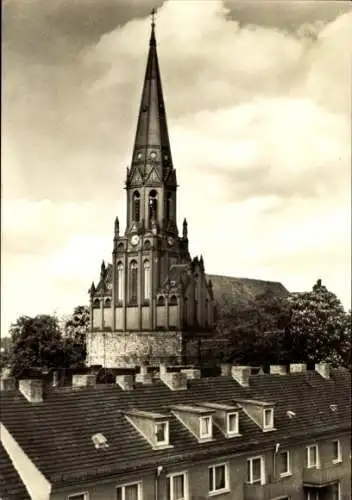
258,101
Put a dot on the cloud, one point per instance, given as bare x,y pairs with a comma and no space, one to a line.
258,106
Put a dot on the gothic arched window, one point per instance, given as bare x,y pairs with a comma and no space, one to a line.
133,281
107,303
153,204
173,300
96,304
120,283
161,301
146,279
168,206
136,206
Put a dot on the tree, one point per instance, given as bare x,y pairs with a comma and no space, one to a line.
5,351
255,332
38,344
77,326
320,329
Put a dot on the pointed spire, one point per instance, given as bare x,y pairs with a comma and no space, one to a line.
117,226
185,229
201,263
91,291
152,145
102,270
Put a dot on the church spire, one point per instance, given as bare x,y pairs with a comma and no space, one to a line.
152,146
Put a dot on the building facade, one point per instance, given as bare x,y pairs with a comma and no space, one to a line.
178,436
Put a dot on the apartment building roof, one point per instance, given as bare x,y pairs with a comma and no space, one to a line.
57,432
11,485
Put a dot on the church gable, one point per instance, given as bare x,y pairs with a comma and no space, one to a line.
153,178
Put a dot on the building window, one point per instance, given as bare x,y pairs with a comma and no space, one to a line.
147,245
129,492
312,495
268,418
205,427
312,456
153,204
218,478
78,496
255,470
177,486
120,283
107,303
232,423
284,463
336,492
120,247
136,206
162,432
146,278
161,301
133,282
96,304
336,451
173,300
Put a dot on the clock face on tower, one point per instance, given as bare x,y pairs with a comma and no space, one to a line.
135,239
170,241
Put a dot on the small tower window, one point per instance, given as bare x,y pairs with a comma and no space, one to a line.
107,303
169,206
120,284
153,204
136,206
96,304
146,267
133,282
120,247
161,301
147,245
173,300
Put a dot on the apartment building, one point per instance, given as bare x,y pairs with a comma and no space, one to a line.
174,435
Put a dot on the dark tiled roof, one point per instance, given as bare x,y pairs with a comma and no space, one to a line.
11,486
55,433
243,291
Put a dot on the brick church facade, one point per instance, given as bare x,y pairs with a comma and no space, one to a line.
154,301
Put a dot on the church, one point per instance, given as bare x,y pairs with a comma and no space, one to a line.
154,302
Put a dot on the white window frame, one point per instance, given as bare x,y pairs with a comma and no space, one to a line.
288,472
84,493
271,425
167,437
312,495
210,433
126,485
185,482
262,470
309,464
339,454
227,479
229,431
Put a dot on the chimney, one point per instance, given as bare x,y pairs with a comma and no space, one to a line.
8,384
32,390
55,378
191,373
162,370
85,380
143,376
176,381
278,370
241,374
225,369
323,369
298,367
126,382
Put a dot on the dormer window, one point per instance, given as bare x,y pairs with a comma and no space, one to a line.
232,423
205,427
162,433
268,418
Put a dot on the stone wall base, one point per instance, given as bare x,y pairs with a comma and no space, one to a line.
127,349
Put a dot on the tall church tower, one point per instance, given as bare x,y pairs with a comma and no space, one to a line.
153,302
